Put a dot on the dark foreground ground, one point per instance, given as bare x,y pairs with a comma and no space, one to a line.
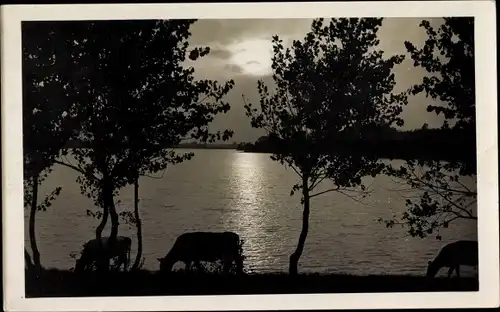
55,283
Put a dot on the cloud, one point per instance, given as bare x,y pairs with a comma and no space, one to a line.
228,31
236,119
222,54
233,68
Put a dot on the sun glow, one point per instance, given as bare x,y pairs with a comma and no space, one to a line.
253,56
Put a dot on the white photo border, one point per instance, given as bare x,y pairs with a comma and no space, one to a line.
487,154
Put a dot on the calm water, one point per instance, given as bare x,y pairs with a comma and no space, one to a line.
250,194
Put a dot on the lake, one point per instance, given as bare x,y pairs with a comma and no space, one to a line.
248,193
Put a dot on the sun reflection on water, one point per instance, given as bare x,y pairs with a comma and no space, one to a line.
249,193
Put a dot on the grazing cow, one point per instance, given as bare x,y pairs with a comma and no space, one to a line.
204,246
452,256
93,253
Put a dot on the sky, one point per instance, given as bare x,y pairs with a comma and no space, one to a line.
241,50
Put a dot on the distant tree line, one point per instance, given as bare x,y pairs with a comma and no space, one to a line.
387,142
75,143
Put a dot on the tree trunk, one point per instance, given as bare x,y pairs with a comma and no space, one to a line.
34,247
114,219
109,208
102,225
103,259
109,201
138,224
294,258
105,208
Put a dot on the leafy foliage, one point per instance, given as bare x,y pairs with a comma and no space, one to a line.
328,86
448,56
47,115
333,84
444,196
128,217
47,118
452,81
137,100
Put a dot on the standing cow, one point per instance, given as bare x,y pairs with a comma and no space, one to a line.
452,256
93,252
204,246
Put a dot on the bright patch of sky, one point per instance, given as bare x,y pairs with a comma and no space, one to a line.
241,50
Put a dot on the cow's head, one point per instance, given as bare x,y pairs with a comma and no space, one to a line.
432,269
162,263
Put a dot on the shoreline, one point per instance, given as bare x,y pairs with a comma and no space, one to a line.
63,283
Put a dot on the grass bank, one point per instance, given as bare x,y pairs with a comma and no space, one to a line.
58,283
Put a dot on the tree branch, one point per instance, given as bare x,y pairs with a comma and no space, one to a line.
323,192
296,170
450,201
351,197
78,169
458,215
317,181
158,178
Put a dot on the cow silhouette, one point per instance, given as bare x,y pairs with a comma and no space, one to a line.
93,252
191,248
453,256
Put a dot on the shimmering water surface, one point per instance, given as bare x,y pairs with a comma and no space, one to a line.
249,194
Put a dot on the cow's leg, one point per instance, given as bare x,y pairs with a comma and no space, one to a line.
238,261
457,270
188,266
91,263
239,264
227,262
102,261
114,263
198,265
121,261
450,271
124,260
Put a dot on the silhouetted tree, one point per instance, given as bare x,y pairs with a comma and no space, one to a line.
334,83
448,57
139,101
48,121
